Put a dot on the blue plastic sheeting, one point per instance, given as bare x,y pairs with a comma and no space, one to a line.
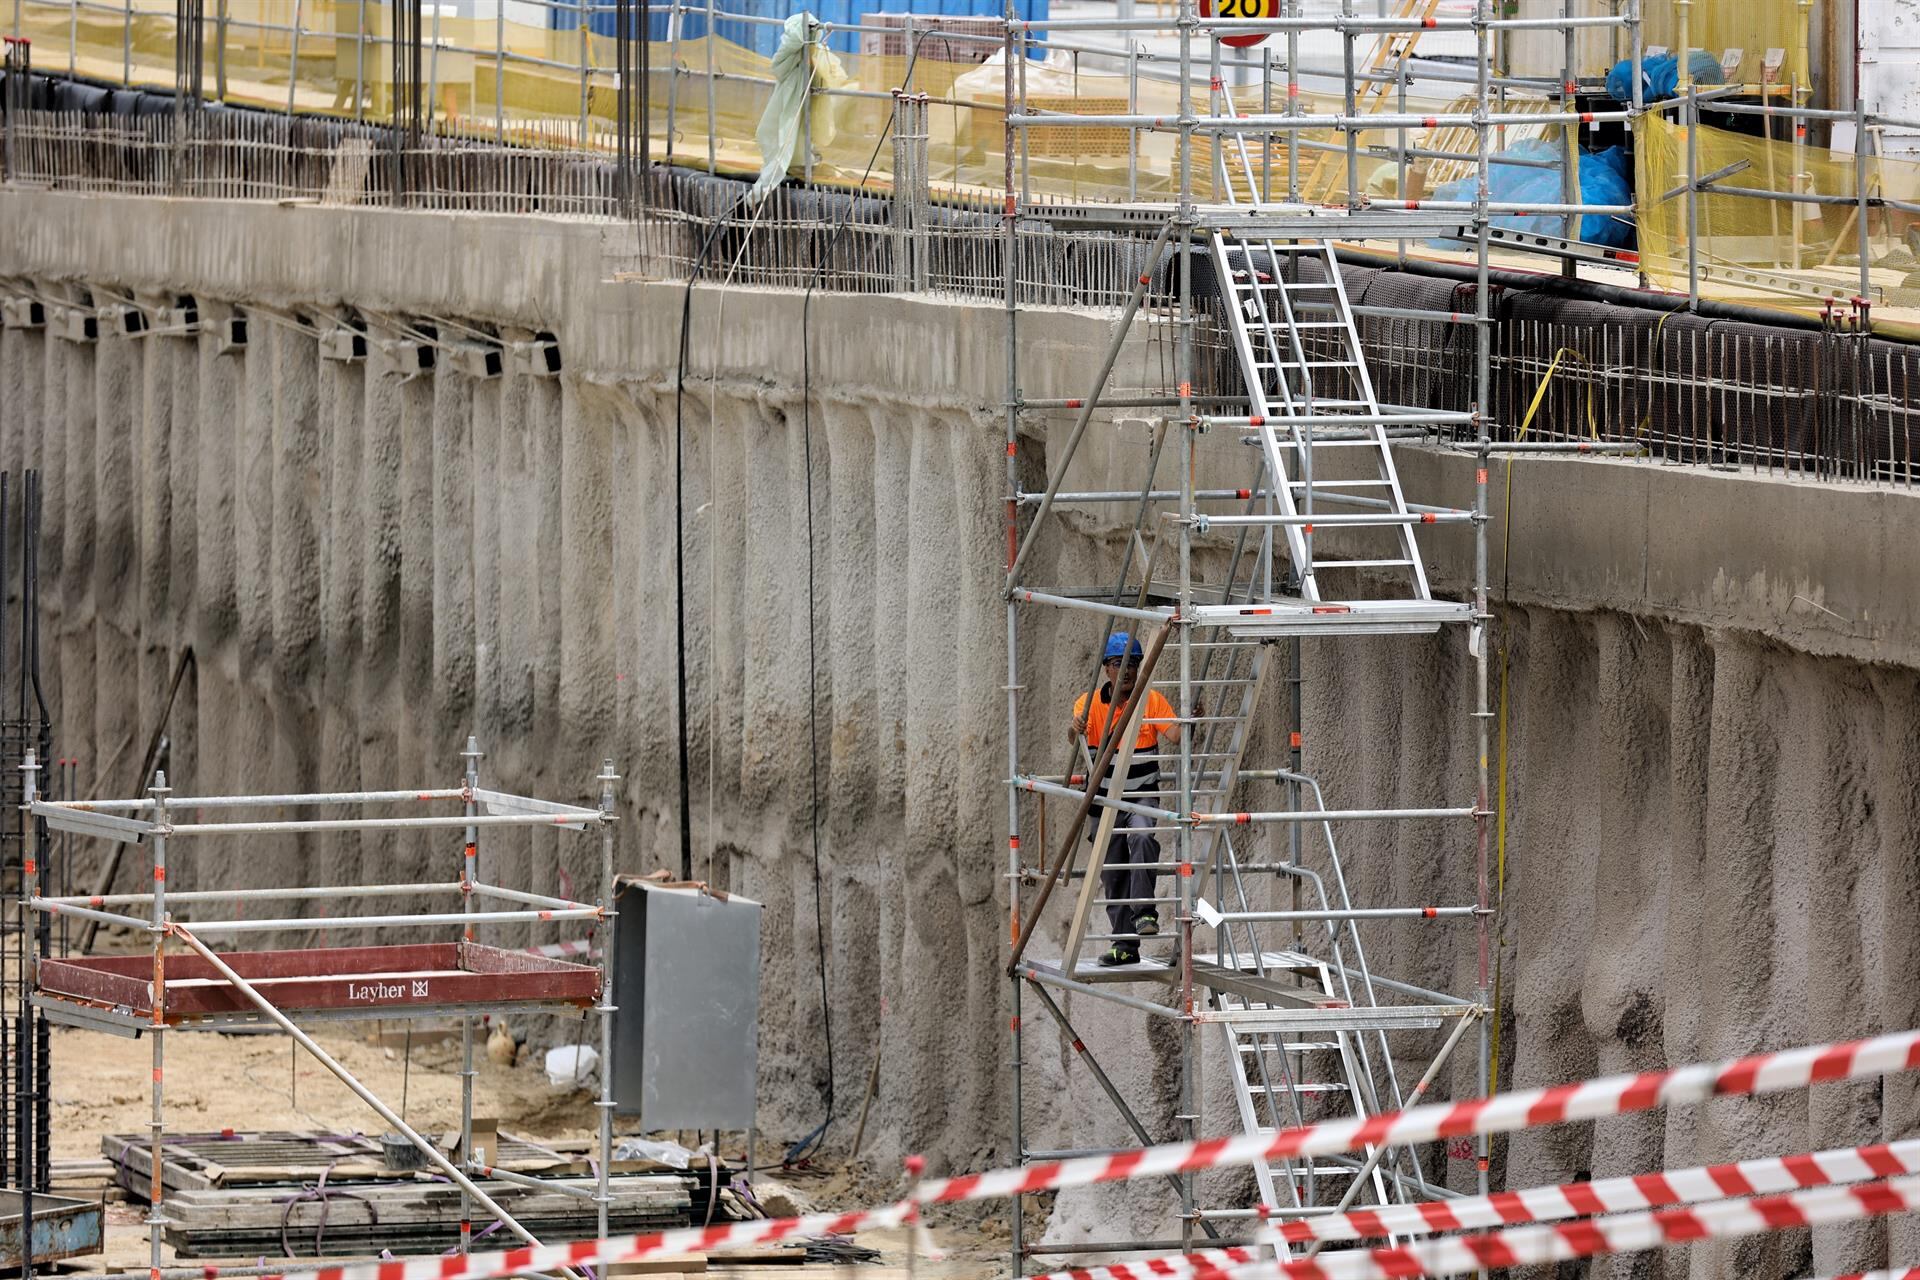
1660,77
764,37
1604,179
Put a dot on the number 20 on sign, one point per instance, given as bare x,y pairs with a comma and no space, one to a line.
1241,9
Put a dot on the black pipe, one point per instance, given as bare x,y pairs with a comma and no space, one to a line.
1581,290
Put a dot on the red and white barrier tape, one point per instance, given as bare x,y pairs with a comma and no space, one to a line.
1613,1095
1899,1273
1546,1242
1613,1195
555,950
1763,1073
1201,1264
594,1253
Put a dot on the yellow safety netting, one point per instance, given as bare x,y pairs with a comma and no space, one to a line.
1772,251
493,73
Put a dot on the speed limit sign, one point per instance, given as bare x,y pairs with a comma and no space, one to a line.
1241,9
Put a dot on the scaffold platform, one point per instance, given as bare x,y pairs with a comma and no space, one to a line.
416,980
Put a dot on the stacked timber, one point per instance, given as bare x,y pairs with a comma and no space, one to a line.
411,1217
211,1161
281,1195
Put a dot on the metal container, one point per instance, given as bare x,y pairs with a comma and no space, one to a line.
687,982
400,1154
62,1228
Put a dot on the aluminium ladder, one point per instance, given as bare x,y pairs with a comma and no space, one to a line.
1299,352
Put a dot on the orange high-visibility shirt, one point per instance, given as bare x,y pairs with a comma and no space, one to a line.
1158,708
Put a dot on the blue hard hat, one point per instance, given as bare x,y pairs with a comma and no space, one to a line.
1121,645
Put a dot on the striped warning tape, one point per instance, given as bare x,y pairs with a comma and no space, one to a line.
1623,1233
584,1253
1201,1264
1569,1200
555,950
1616,1095
1898,1273
1613,1195
1549,1242
1613,1095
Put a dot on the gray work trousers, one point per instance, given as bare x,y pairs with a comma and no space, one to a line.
1121,878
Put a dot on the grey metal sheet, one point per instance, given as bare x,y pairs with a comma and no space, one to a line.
86,823
687,984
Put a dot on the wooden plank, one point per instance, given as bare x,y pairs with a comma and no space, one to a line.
211,1161
667,1264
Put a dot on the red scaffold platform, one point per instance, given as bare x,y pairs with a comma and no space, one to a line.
323,982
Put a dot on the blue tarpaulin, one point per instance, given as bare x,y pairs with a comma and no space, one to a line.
1660,76
1603,180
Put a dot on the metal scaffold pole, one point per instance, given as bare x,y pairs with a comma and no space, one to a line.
1188,1117
469,877
604,935
1009,252
156,1192
1481,627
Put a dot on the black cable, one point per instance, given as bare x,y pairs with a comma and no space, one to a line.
811,1142
680,538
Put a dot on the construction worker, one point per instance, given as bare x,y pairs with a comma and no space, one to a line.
1131,913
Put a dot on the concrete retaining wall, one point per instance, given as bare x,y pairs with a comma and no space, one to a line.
1712,691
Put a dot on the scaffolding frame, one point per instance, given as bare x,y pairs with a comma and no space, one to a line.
149,820
1273,533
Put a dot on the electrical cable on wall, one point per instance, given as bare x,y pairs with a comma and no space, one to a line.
810,1143
680,536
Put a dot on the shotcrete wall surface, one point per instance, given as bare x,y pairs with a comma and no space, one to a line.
1710,680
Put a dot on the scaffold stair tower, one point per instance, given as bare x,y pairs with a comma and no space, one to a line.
1308,1030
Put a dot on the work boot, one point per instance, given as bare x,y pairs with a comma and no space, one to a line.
1117,955
1146,925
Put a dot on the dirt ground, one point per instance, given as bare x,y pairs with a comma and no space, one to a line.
259,1081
